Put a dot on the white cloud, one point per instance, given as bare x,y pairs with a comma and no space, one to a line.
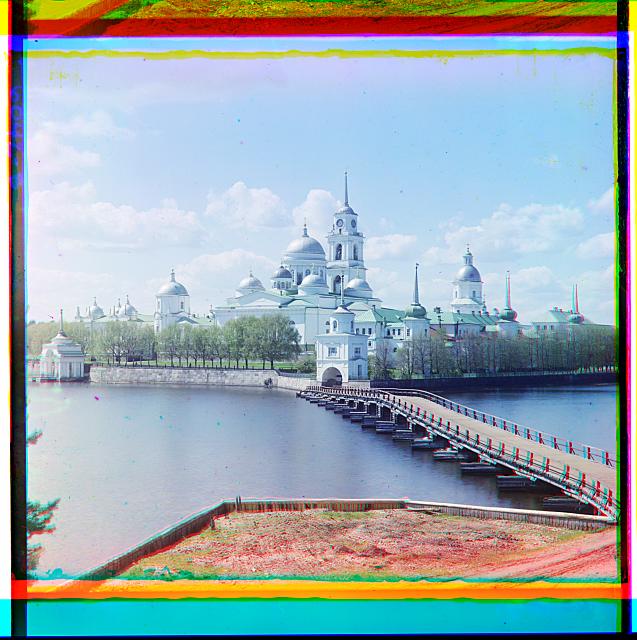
47,156
507,231
599,246
71,288
212,276
73,215
605,204
97,124
395,245
532,279
317,210
243,207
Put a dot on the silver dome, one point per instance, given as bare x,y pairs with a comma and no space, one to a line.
251,282
281,273
468,273
127,311
358,287
95,312
305,246
172,288
313,283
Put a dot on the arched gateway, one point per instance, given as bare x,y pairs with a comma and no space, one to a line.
332,377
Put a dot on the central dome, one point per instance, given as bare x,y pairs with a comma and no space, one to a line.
306,247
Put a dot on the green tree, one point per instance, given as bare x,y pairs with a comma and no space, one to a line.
38,334
277,339
39,517
168,342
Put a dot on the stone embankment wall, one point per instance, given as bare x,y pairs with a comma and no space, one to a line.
183,375
197,522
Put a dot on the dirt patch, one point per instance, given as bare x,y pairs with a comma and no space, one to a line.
383,544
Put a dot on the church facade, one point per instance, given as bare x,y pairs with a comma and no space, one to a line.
312,283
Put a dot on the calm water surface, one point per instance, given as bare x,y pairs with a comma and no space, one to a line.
127,461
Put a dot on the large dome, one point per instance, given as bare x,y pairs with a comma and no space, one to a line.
468,273
172,287
358,288
305,247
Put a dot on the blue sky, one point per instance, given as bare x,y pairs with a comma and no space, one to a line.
210,166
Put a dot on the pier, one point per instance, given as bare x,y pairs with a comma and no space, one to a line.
527,459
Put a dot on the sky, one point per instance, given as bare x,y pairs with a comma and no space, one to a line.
210,163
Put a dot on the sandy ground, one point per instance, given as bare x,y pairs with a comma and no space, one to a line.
383,544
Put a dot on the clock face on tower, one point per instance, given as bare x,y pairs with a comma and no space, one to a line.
339,223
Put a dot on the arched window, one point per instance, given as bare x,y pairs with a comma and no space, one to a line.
307,272
334,325
337,284
355,252
299,277
182,305
339,252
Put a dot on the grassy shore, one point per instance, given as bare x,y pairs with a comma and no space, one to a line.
381,545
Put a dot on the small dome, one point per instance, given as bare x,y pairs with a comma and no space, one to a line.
305,246
576,318
251,282
508,314
127,311
172,287
313,283
357,287
282,273
95,312
415,311
468,273
346,209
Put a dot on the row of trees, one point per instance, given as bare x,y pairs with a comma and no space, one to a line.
272,338
584,348
266,339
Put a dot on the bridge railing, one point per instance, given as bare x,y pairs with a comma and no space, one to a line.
556,442
522,459
594,454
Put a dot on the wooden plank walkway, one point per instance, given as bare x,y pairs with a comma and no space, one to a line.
594,471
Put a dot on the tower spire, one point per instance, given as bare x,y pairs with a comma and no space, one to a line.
575,303
346,198
342,285
416,296
508,290
61,332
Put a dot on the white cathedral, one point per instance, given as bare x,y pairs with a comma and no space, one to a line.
310,285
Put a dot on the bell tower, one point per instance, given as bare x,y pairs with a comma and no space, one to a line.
345,248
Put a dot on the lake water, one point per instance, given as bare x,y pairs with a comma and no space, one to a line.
128,461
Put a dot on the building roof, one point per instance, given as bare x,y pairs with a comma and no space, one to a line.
172,287
558,316
305,247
